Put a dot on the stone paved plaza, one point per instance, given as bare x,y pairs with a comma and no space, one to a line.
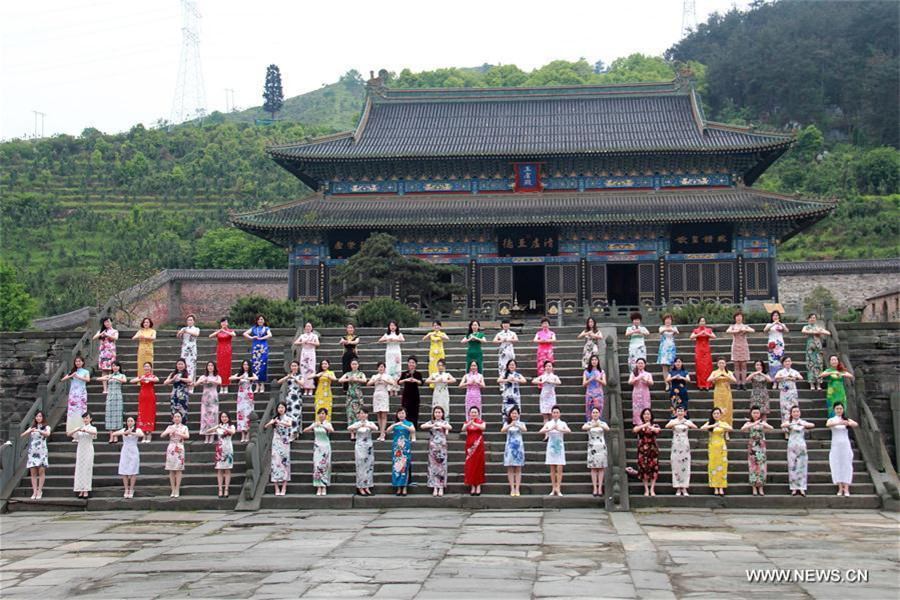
431,553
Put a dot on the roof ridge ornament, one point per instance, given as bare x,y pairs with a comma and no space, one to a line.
377,85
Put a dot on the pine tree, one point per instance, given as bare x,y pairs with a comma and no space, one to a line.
272,93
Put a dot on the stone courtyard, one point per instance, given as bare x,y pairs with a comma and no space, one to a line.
429,553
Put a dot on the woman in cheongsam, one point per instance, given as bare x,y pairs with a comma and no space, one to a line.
188,335
363,453
145,335
702,335
259,335
437,450
756,450
38,457
245,400
321,452
797,456
106,353
180,398
308,342
776,330
815,344
718,451
680,456
401,449
648,451
280,473
177,434
224,337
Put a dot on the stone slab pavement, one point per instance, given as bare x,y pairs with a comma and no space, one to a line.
433,553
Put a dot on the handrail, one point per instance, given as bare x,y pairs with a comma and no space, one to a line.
259,448
616,479
868,435
52,398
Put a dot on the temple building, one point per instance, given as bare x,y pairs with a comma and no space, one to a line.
555,198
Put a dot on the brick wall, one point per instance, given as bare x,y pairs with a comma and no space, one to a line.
27,360
851,290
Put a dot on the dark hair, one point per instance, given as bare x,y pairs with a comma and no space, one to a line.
811,315
147,362
396,327
224,412
146,319
182,372
504,321
712,414
362,409
677,358
322,411
116,363
548,362
103,321
381,364
646,410
545,320
258,317
470,326
440,408
43,419
350,325
511,361
83,363
436,322
397,414
509,414
721,358
758,408
222,320
292,363
668,316
637,361
555,407
190,316
591,361
215,368
797,406
413,358
775,312
440,361
636,315
841,404
761,363
471,408
701,317
840,365
249,368
324,361
737,314
87,414
587,327
281,404
473,362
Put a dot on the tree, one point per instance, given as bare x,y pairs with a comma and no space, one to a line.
17,307
378,264
879,171
272,92
229,248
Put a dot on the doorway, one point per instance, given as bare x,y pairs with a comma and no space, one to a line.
528,287
622,283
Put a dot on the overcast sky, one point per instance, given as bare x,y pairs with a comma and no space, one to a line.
112,63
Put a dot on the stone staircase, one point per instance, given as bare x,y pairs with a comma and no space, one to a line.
821,491
198,489
495,493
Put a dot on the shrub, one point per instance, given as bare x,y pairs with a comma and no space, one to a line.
377,313
278,313
714,313
818,300
326,315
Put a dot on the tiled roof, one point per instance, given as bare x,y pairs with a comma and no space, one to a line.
321,212
826,267
523,122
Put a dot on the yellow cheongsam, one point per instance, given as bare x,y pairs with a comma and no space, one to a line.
718,458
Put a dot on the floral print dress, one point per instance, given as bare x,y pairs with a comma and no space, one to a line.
441,395
637,346
401,449
506,352
84,459
775,348
511,394
545,349
593,395
681,455
756,454
548,383
189,349
355,398
106,353
281,451
815,361
321,457
835,392
556,448
224,447
788,396
175,449
759,392
640,395
244,404
666,355
514,450
647,455
591,348
293,399
473,391
37,450
393,359
78,400
209,403
597,456
324,396
308,359
259,352
435,351
180,400
437,456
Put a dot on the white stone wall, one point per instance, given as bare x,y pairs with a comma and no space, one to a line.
850,290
